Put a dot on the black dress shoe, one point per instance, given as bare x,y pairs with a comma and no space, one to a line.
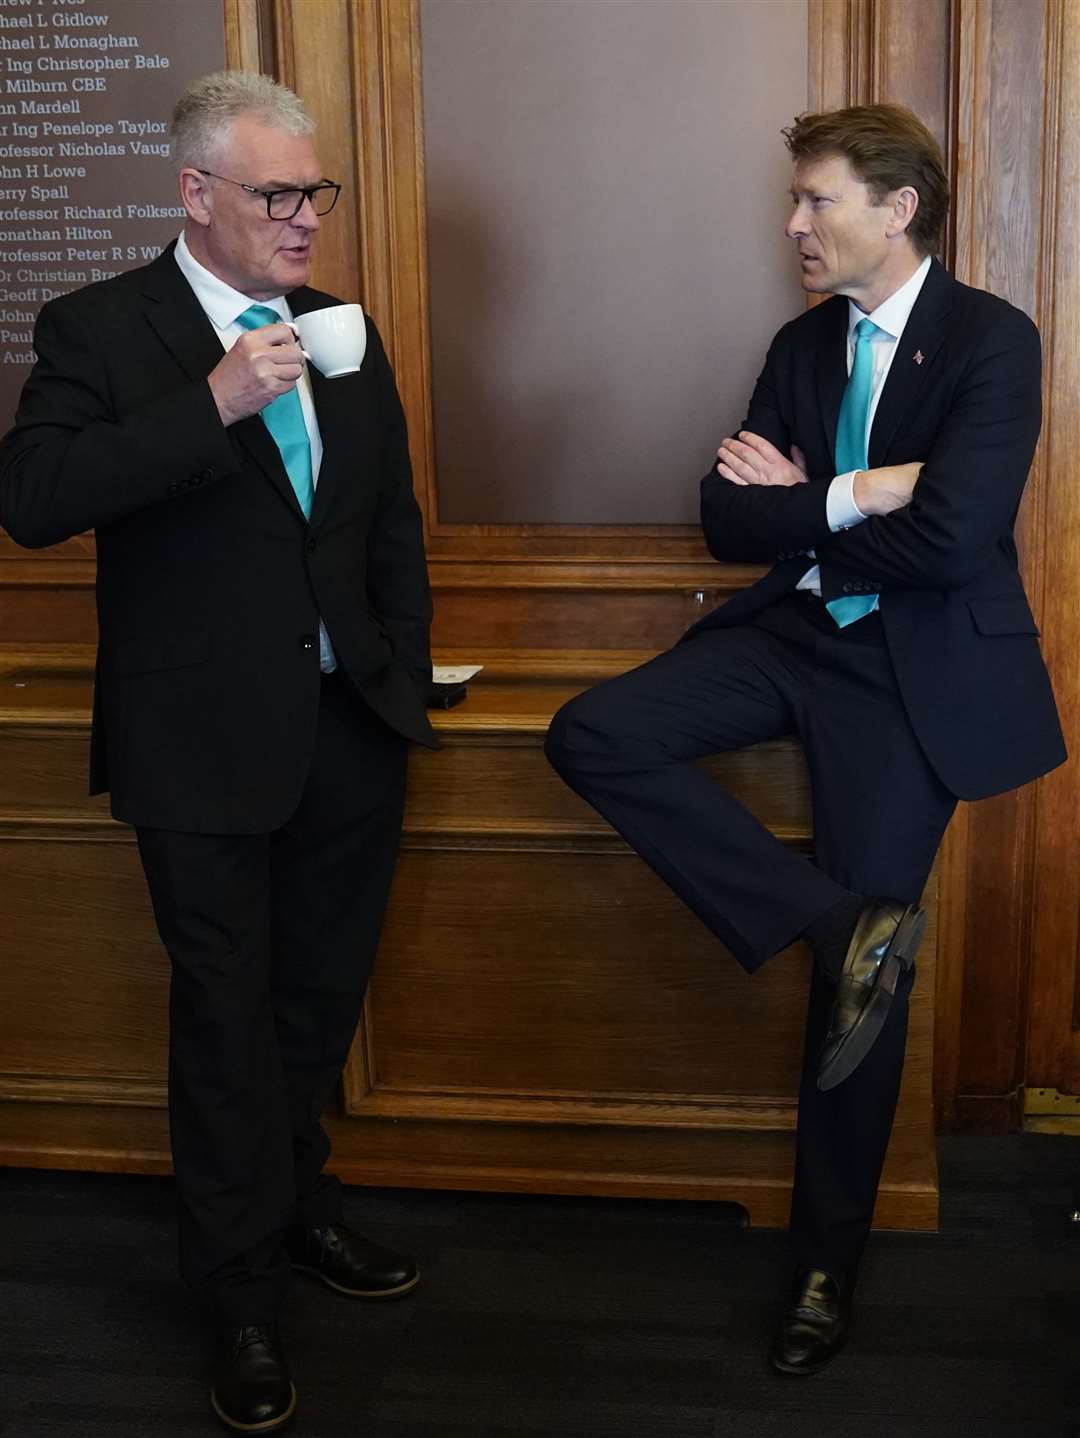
886,938
815,1324
350,1264
252,1390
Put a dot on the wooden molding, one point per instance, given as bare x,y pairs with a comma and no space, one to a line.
249,43
707,1111
108,1089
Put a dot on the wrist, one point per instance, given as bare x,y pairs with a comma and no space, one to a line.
862,494
224,412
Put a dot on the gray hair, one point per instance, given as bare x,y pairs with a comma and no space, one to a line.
208,107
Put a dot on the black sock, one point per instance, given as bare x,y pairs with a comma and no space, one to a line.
830,934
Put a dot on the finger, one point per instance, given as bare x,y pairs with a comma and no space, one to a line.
287,355
736,454
798,458
755,466
760,445
731,475
296,333
742,470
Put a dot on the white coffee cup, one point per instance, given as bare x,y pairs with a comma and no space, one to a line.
335,338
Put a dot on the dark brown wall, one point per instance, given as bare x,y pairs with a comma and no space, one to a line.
606,190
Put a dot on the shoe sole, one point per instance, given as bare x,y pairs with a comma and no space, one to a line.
376,1293
792,1371
271,1425
863,1035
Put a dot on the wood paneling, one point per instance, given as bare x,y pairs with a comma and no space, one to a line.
1008,152
1054,1032
545,1014
997,80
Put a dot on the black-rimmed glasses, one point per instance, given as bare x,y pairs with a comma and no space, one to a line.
285,204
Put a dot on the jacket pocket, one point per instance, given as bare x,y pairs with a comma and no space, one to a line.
1008,615
175,651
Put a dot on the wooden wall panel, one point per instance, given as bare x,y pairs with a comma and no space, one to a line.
545,1014
1006,153
997,79
1053,1059
83,986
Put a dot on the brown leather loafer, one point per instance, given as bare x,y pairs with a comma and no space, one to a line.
252,1390
349,1263
886,939
815,1324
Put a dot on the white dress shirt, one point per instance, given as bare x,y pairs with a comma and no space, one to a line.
223,307
890,317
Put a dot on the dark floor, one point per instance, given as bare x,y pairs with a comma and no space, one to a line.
563,1318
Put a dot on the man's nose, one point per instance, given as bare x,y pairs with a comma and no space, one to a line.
305,217
797,225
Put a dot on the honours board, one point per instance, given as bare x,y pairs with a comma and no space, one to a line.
86,188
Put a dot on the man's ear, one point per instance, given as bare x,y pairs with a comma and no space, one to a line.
196,196
902,206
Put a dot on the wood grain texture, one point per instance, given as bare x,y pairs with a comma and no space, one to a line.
545,1014
1008,167
1054,1023
998,78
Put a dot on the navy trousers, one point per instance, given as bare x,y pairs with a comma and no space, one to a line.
629,747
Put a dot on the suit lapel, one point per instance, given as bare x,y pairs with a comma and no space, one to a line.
913,362
831,364
180,322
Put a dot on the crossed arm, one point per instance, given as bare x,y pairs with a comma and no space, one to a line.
931,524
750,459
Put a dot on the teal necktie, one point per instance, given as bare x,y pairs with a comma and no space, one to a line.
284,418
851,449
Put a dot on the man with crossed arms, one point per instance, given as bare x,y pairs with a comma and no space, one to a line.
878,471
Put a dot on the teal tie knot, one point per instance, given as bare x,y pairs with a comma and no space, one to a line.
255,316
851,446
284,418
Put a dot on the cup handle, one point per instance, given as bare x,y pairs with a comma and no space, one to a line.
296,332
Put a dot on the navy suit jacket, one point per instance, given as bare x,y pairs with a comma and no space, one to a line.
962,395
210,581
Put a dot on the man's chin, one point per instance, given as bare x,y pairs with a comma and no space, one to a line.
295,269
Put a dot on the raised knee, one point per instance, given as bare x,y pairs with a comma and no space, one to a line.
575,732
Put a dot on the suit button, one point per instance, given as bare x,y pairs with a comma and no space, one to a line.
307,641
175,487
846,588
206,474
310,546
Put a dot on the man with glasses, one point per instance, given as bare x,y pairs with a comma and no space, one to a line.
263,662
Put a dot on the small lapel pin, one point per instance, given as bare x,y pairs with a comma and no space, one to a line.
918,356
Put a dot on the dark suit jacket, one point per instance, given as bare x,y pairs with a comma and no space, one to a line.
210,581
959,630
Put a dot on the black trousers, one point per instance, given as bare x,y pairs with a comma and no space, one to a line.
271,938
628,747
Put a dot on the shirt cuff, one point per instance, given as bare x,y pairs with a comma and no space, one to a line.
841,511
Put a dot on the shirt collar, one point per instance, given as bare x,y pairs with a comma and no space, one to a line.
892,314
223,305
